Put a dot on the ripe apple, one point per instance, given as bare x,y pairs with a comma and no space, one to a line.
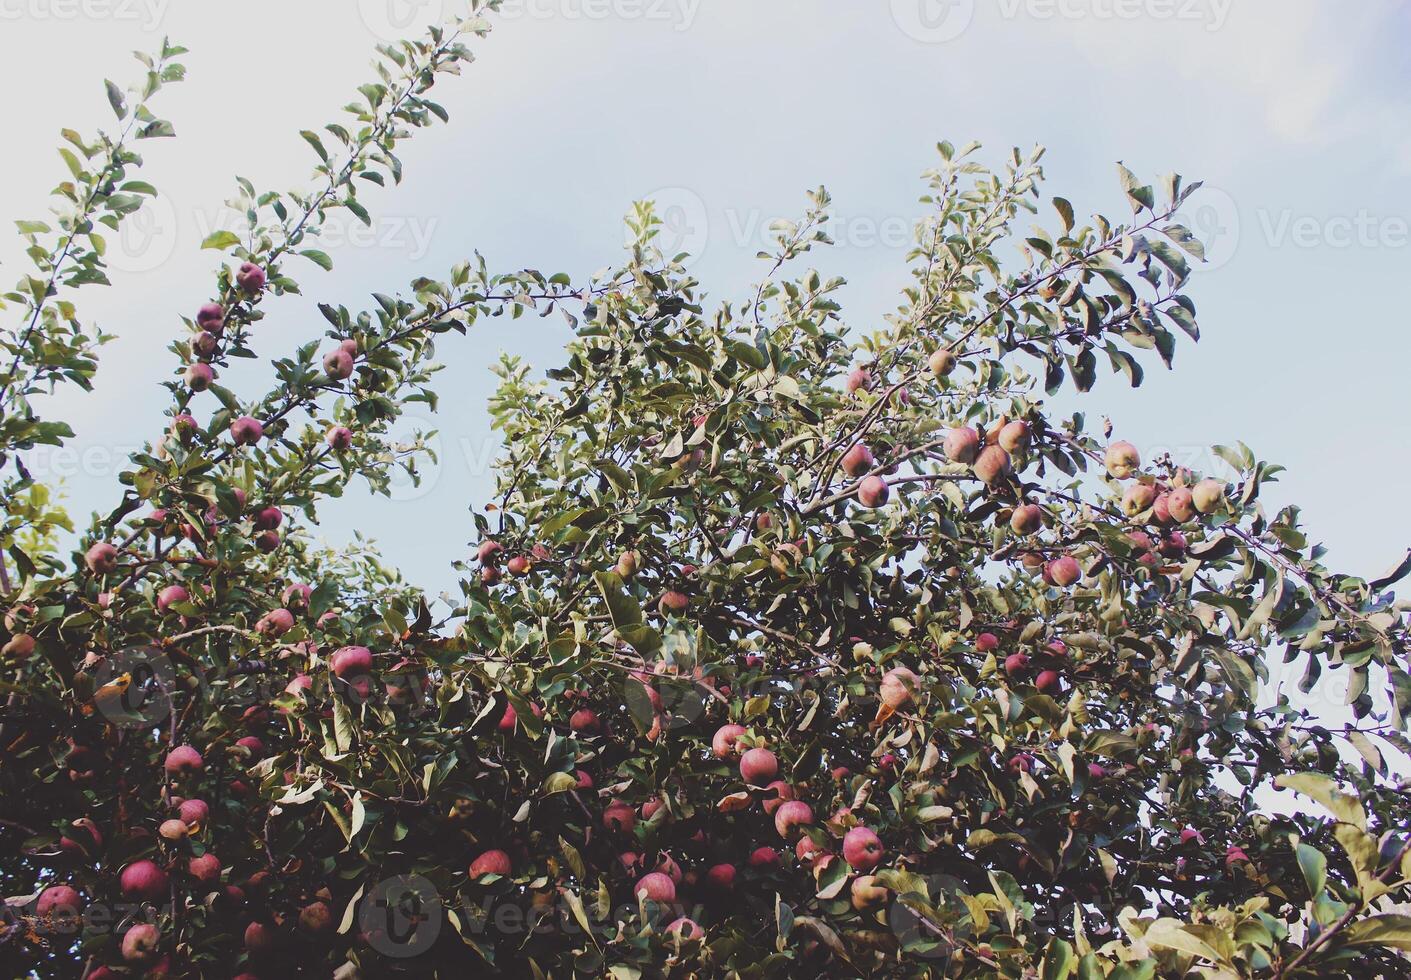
183,761
1016,664
1015,437
489,552
316,917
1048,682
205,869
862,849
351,662
258,937
139,944
173,830
276,623
211,317
619,816
721,876
1122,460
1138,498
687,929
628,563
1208,496
59,902
723,744
656,887
250,278
102,558
518,565
993,465
20,645
941,362
898,686
338,365
199,376
143,881
962,445
868,893
490,863
1027,519
779,792
807,849
873,492
205,344
791,817
764,857
339,438
858,460
1180,503
246,431
758,767
268,518
1064,571
673,603
858,379
585,721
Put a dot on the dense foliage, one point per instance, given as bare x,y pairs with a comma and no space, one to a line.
786,649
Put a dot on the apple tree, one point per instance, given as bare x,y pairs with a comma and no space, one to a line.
786,647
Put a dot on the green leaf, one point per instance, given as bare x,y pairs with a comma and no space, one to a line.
221,240
321,259
1380,930
1323,789
1314,865
624,610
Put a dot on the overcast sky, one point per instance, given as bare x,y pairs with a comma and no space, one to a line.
1294,112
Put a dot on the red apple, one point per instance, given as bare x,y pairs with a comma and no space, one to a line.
857,460
873,492
619,816
351,662
723,743
211,317
1122,460
183,761
339,438
962,445
791,817
139,944
250,278
246,431
205,869
143,881
199,376
758,766
338,364
102,558
721,876
673,603
656,887
862,849
490,863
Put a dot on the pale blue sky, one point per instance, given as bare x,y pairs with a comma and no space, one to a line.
1295,113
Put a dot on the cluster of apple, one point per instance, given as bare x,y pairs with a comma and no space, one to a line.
210,326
